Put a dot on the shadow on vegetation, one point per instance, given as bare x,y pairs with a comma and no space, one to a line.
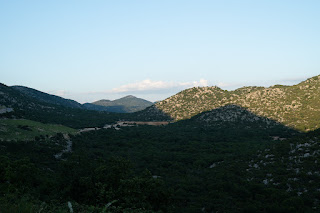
237,121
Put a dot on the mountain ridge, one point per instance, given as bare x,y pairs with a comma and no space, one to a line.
296,106
123,105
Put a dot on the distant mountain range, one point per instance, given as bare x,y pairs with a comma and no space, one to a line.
126,104
28,103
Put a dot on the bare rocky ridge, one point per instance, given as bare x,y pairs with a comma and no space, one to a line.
295,106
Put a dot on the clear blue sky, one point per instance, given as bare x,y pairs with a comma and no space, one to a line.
88,50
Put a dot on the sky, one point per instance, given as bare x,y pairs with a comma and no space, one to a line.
91,50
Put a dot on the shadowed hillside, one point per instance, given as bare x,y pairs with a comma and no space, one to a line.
47,98
232,121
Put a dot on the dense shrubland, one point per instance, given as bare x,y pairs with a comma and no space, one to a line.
182,167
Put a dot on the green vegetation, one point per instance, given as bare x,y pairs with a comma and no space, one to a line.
20,129
32,178
182,167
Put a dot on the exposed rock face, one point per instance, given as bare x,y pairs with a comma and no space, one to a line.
4,110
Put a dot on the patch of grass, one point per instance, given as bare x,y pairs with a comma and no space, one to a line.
21,129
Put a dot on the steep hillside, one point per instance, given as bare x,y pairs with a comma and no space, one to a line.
232,114
296,106
47,98
126,104
232,121
17,100
25,106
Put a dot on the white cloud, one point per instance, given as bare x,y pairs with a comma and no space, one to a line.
294,79
149,85
228,85
58,92
201,83
265,83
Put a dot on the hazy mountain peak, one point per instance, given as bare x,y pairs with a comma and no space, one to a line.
105,100
129,96
128,103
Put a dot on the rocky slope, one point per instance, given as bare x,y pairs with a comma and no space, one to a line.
291,166
295,106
